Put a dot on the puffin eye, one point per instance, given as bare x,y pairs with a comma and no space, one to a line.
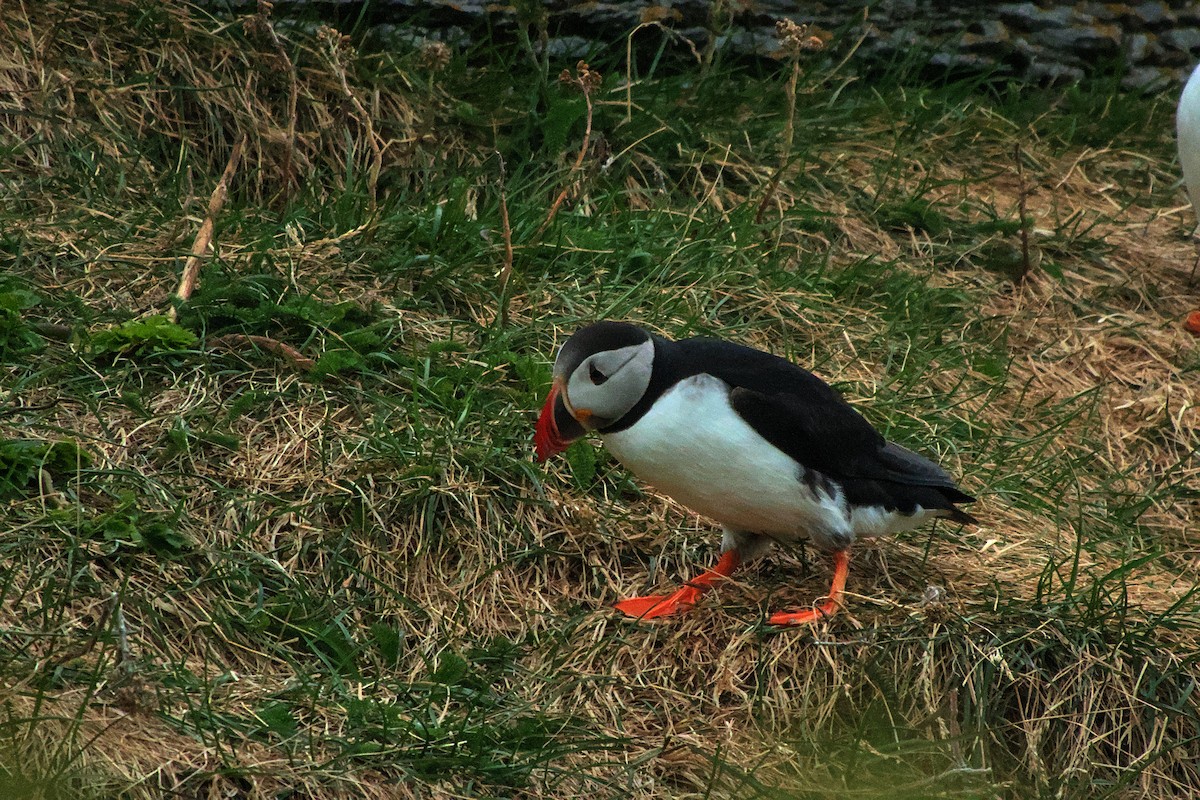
596,375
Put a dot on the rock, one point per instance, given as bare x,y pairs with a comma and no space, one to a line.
1054,74
569,47
1141,47
949,26
904,39
1154,37
1089,43
997,42
608,16
968,62
904,10
1186,40
1148,79
1028,17
697,36
756,41
1108,12
387,36
990,29
1154,15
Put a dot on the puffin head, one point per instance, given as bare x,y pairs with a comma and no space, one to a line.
600,374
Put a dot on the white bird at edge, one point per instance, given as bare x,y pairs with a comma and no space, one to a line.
1187,131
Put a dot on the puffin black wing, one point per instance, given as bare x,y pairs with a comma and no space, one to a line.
834,440
788,406
822,433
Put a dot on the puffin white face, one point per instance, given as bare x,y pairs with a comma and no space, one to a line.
606,385
600,374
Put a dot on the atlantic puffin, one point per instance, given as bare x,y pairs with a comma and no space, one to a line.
746,438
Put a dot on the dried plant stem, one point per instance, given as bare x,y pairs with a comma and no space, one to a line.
191,268
718,22
235,341
538,20
1022,194
587,140
82,649
506,230
335,60
289,170
629,70
789,133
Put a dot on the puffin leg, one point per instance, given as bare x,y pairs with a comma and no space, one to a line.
660,605
828,606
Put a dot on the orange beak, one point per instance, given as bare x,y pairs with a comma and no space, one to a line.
554,420
547,441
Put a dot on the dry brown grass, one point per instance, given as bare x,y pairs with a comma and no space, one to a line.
237,82
947,635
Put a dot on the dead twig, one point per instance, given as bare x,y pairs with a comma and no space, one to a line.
506,230
588,80
191,268
338,46
786,151
260,22
795,40
1022,194
82,649
238,341
651,18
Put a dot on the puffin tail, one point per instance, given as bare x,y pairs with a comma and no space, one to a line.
955,514
961,517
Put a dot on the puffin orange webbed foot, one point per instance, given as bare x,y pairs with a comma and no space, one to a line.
659,605
827,607
809,616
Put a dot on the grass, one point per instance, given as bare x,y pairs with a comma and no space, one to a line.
293,543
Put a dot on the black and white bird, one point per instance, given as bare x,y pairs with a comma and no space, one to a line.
765,448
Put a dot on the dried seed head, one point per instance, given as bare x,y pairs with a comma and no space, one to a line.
590,77
587,79
434,56
337,41
255,25
795,39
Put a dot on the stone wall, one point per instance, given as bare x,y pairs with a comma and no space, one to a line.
1155,42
